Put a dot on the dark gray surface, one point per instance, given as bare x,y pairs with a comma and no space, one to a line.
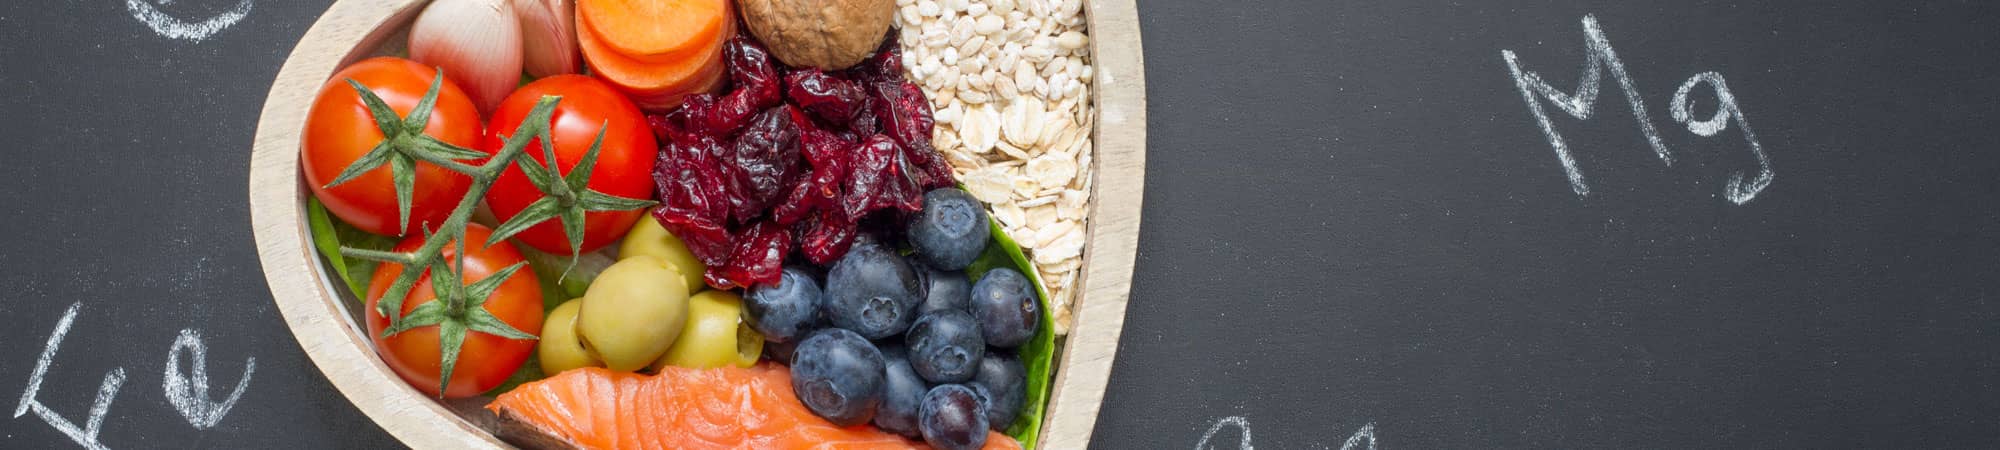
124,189
1352,218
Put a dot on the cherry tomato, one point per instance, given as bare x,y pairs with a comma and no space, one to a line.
485,360
624,165
339,129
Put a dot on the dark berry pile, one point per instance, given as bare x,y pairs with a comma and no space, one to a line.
908,341
792,159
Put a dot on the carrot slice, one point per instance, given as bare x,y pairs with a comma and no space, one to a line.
649,81
652,30
667,101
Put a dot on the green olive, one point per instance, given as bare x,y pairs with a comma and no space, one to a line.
559,348
649,238
717,335
633,312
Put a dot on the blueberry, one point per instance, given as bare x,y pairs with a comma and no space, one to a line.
871,291
780,351
1004,303
892,349
1004,381
838,375
952,230
945,289
902,395
945,346
950,418
785,311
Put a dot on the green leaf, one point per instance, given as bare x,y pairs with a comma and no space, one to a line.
542,209
558,286
403,171
426,143
330,234
385,117
420,116
451,339
572,221
557,186
324,237
579,175
1038,354
368,161
444,282
537,175
599,201
429,313
477,319
477,293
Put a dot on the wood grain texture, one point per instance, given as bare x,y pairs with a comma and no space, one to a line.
1084,368
351,29
297,282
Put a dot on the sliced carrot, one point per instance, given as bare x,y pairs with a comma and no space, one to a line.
649,81
670,100
652,30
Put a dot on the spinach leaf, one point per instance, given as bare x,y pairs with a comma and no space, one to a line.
329,234
1038,354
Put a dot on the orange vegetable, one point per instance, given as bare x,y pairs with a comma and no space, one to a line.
682,408
654,85
657,30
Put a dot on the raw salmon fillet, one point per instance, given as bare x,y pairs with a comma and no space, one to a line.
683,408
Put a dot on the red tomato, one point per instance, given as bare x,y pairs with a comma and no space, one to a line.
486,360
624,165
339,130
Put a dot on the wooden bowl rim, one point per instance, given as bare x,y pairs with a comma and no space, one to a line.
317,318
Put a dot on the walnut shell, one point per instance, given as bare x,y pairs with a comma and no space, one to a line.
828,34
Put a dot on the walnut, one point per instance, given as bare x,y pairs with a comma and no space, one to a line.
828,34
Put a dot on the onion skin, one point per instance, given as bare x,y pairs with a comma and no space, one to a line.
548,37
476,42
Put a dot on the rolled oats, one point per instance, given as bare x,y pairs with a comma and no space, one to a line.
1009,81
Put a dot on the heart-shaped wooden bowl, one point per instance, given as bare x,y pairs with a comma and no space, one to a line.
320,319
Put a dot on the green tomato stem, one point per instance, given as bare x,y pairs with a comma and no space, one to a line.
391,305
378,255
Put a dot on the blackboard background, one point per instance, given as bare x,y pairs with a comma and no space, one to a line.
1351,218
123,185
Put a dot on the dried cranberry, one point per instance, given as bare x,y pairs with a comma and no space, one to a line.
693,205
765,158
758,258
832,100
935,172
694,117
823,238
823,147
667,127
821,187
751,69
865,121
886,64
879,179
904,112
756,87
788,159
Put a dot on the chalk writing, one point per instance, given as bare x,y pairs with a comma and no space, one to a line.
85,436
174,28
1232,421
187,392
1580,105
1740,191
1366,435
192,398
